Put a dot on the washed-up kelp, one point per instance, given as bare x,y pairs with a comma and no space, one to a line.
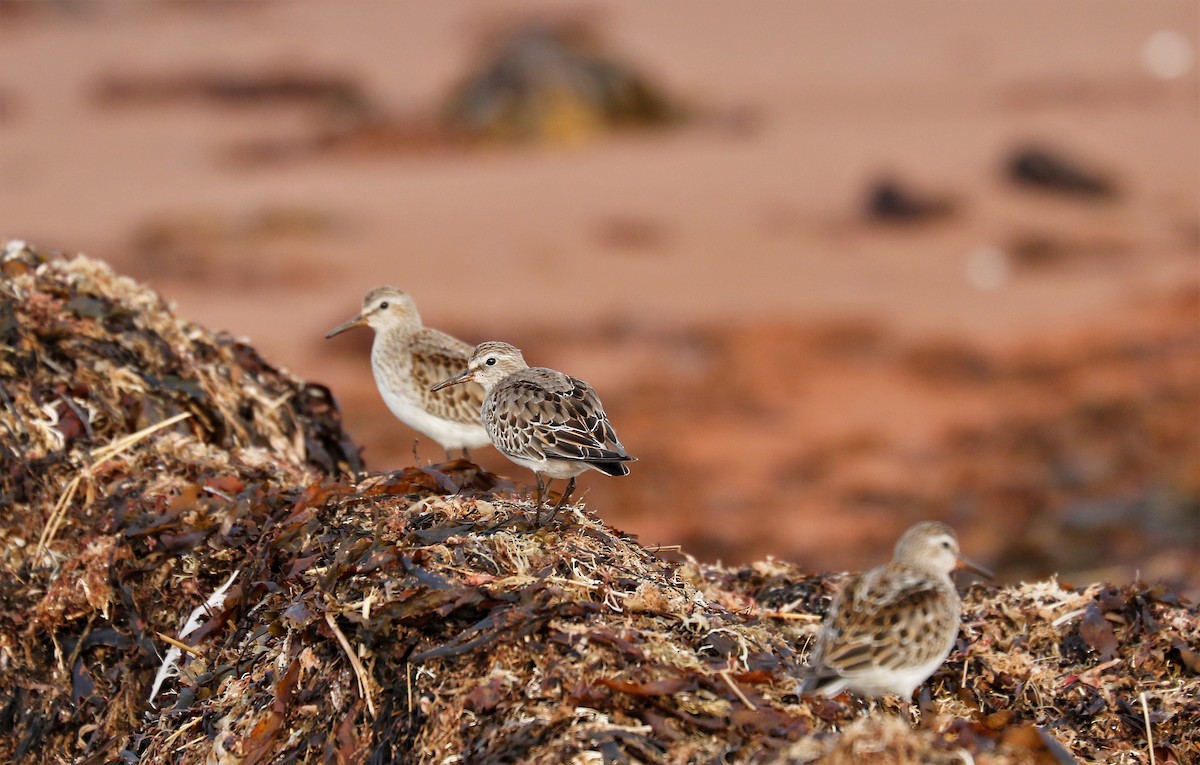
155,474
137,455
547,81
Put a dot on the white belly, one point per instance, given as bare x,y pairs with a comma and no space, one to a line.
901,682
448,433
552,468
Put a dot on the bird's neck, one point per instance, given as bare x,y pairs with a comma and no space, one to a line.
389,340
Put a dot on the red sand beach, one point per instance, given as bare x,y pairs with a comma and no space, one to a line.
797,378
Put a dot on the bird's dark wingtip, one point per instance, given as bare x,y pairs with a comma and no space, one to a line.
613,468
816,681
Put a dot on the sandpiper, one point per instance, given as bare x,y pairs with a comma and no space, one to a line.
888,629
542,419
407,358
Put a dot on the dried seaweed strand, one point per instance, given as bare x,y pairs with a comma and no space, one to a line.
170,662
274,404
8,402
85,421
218,493
1060,621
360,672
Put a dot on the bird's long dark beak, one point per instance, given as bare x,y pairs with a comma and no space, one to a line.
970,565
357,321
461,377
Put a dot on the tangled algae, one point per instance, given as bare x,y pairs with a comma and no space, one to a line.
418,615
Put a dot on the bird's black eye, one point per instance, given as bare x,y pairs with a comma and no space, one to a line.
383,305
491,362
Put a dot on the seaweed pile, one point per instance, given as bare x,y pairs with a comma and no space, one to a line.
553,82
136,454
156,475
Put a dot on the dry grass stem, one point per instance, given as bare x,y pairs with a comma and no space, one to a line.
1149,730
180,644
56,517
733,686
364,682
791,616
116,448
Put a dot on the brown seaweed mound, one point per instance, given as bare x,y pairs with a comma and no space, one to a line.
153,471
548,81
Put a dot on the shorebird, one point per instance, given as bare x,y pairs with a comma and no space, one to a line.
407,358
542,419
888,629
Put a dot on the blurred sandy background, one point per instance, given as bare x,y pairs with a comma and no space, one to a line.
801,374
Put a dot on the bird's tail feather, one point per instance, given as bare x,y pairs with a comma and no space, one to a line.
614,467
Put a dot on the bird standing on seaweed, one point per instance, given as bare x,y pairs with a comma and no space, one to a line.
890,628
407,358
542,419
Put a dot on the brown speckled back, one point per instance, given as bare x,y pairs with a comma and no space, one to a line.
540,413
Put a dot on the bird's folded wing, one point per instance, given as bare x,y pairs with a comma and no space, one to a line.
437,356
575,427
572,444
863,631
887,586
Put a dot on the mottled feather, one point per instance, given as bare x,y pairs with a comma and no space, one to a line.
436,356
882,619
890,628
540,413
408,359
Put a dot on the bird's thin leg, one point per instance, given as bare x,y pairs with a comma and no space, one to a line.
924,704
466,455
537,508
449,455
563,499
